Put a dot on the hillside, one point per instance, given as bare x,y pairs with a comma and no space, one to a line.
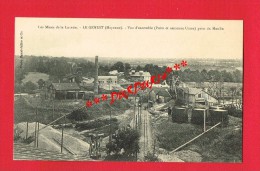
49,139
217,145
35,76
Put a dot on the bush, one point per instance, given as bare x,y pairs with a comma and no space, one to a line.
232,143
151,157
17,134
78,115
127,140
233,111
28,140
29,87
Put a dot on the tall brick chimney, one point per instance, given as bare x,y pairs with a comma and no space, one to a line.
96,77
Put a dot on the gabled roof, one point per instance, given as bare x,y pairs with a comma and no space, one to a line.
161,91
138,74
65,86
106,77
194,91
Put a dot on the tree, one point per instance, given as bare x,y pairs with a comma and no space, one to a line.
127,140
237,75
127,66
78,115
139,68
119,66
127,69
41,83
233,93
204,75
29,87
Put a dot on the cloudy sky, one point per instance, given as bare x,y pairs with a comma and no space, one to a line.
134,43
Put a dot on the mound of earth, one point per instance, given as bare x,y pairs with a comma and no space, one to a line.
50,139
188,156
169,158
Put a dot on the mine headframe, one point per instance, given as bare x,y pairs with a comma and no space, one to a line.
95,142
174,83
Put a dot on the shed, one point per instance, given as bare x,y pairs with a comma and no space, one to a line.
64,90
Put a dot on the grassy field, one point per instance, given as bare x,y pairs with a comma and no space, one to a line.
25,109
35,76
217,145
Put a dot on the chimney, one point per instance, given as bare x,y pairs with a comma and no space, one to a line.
96,77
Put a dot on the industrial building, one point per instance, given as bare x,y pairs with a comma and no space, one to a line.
140,75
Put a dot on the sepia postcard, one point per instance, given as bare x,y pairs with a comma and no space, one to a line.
139,90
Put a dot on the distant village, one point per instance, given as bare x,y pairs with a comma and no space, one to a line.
75,85
187,103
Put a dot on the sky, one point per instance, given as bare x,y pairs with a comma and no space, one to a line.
169,42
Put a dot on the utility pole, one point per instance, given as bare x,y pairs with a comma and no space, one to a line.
110,137
26,135
154,147
138,112
53,110
61,144
37,144
134,122
144,135
204,120
35,133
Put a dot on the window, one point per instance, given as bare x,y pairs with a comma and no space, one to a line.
199,95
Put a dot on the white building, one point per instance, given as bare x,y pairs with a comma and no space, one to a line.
114,72
162,85
195,95
141,75
104,81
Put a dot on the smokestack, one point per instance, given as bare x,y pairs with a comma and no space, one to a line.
96,77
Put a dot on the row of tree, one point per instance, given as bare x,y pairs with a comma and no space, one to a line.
58,68
188,75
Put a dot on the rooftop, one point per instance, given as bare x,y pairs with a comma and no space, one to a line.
106,77
140,73
65,86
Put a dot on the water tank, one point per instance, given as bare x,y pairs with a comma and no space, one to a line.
179,115
218,115
197,116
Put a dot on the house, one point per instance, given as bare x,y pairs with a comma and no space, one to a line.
64,90
114,72
70,78
162,94
86,81
194,95
69,91
107,81
140,75
162,85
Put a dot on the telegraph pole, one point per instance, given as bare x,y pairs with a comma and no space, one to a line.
138,112
26,135
134,122
35,133
110,137
53,110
